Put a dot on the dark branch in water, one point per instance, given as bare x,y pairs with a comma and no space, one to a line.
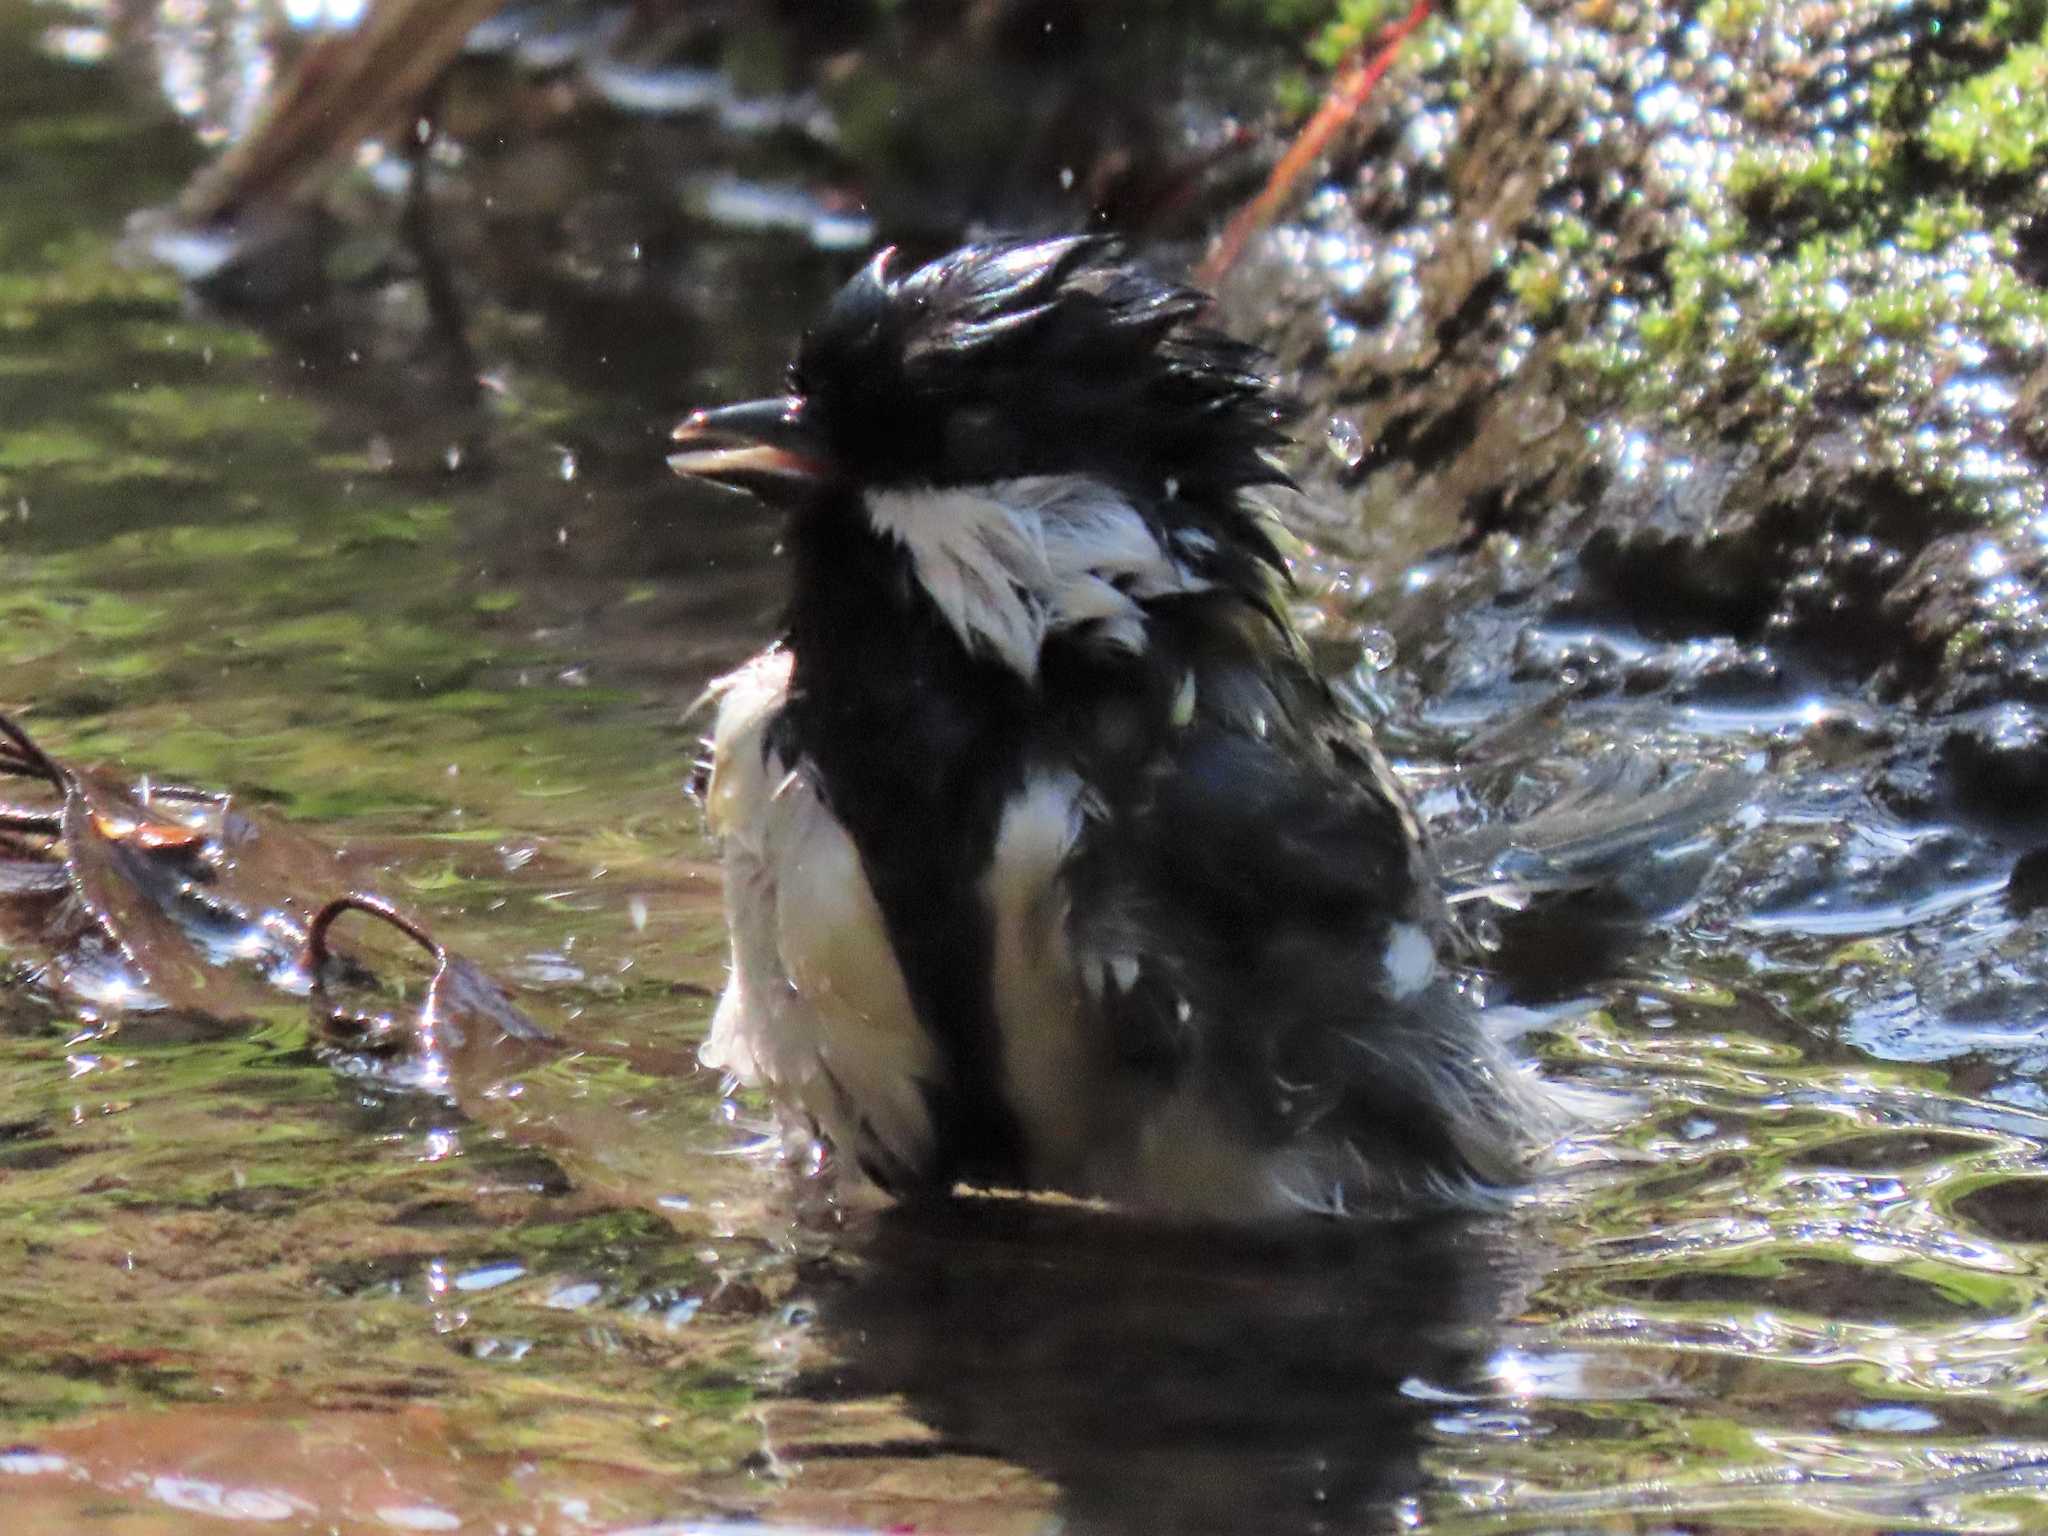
344,89
316,951
22,756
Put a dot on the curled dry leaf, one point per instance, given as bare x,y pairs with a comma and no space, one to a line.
465,1029
170,896
131,894
122,866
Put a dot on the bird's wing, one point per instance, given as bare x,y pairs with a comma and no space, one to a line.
1254,923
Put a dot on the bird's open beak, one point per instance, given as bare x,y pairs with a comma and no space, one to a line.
761,446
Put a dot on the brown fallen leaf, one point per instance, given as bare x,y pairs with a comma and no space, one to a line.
170,896
113,854
116,815
128,893
463,1016
271,870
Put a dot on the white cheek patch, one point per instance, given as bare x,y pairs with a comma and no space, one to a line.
981,563
1014,561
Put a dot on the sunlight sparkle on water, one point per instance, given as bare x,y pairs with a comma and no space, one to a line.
490,1277
30,1463
203,1498
338,15
418,1517
439,1145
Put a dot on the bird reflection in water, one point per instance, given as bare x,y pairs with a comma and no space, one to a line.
1172,1379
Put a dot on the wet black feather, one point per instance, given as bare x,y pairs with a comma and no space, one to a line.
1049,357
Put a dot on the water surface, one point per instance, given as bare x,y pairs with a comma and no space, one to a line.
244,1281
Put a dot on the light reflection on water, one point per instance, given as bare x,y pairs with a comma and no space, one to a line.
1802,1286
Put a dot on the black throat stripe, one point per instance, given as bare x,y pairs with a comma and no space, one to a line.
918,747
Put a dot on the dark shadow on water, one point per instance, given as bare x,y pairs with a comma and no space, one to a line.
1177,1381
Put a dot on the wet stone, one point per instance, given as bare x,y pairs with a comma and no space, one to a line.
2026,890
1820,1287
1887,1152
1663,305
1997,758
2012,1210
1973,605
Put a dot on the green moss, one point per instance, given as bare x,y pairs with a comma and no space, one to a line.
1734,20
1996,123
1861,265
1537,279
1353,24
1827,180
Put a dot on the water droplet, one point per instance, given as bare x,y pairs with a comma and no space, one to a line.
25,1462
1346,441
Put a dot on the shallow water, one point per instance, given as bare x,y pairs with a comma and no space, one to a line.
246,1282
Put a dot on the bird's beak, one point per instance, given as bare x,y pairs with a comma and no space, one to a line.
761,446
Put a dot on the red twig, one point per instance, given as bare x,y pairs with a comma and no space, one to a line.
1345,100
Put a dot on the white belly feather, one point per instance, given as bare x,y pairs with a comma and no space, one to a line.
1053,1073
815,1010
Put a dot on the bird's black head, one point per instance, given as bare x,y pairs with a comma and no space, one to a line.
1000,361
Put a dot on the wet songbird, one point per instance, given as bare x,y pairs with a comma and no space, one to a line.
1050,861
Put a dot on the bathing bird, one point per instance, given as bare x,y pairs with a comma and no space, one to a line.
1051,862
